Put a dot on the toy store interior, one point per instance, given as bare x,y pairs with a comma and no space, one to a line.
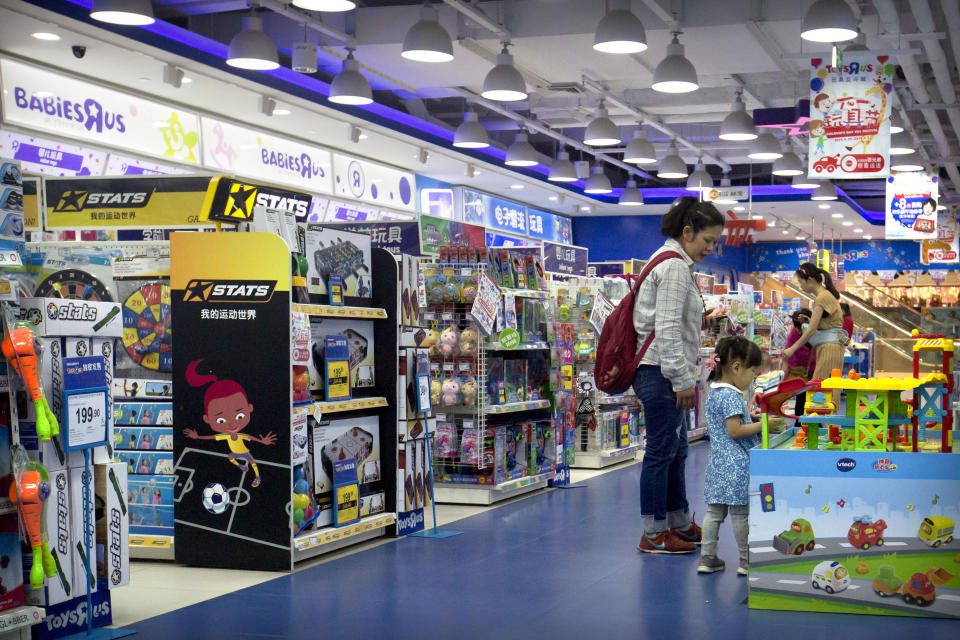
316,317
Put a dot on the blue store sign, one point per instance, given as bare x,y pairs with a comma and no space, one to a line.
549,226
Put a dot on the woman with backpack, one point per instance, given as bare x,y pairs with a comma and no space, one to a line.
668,315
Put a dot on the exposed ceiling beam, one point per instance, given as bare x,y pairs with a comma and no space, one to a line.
476,14
308,19
770,46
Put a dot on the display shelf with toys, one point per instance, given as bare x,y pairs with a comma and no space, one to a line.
254,496
486,331
606,429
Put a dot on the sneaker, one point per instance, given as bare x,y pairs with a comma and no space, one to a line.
744,568
691,534
710,564
665,542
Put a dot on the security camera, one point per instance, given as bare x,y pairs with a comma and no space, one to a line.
79,51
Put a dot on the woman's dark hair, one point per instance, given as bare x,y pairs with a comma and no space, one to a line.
735,349
809,270
799,316
930,201
688,211
846,309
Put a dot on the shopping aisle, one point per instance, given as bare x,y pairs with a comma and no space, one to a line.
561,565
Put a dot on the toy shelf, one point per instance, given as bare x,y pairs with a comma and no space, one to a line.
533,346
607,457
318,409
13,622
313,543
486,495
151,547
525,293
333,311
517,407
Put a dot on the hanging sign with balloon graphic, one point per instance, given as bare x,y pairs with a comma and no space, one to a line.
850,116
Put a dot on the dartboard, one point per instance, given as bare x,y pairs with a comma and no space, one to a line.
146,327
73,284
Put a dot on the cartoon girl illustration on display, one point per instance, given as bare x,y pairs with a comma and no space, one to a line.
818,131
227,411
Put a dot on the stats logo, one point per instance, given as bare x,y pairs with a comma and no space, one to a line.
229,290
80,200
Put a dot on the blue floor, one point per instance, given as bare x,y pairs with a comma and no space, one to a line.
559,565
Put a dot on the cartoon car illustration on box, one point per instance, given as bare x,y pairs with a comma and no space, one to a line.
936,530
827,163
831,576
796,539
864,532
918,590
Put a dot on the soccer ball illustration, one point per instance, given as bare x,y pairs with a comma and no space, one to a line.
215,498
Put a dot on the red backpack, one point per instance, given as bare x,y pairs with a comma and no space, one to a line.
617,355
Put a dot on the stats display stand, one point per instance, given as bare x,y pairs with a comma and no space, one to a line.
234,500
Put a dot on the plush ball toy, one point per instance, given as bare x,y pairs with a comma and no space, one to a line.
451,292
468,341
470,293
449,343
451,392
469,391
435,391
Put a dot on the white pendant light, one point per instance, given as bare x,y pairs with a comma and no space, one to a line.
127,12
675,74
620,31
427,40
601,132
326,5
562,170
598,182
521,153
673,166
907,162
803,182
504,83
350,86
640,150
901,144
631,195
896,124
304,57
829,21
471,134
738,125
789,164
252,48
765,147
824,191
700,179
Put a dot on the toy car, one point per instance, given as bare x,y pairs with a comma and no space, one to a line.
918,590
935,530
831,576
886,583
796,539
865,533
827,163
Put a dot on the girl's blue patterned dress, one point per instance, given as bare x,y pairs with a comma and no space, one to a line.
727,476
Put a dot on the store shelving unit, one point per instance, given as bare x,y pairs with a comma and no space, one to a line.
485,476
15,623
599,439
258,533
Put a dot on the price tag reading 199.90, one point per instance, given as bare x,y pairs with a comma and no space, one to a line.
86,419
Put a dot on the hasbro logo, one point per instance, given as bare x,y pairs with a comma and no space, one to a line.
846,464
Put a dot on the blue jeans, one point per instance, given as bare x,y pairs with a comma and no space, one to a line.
663,491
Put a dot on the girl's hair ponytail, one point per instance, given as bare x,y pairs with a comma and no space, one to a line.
734,349
195,379
219,388
828,283
809,270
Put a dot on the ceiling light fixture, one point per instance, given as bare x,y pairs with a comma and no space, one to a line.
829,21
521,153
673,166
824,206
267,106
765,147
504,83
561,169
941,207
45,35
700,179
598,182
601,132
858,230
252,48
847,223
516,187
738,125
326,5
803,182
350,86
640,150
126,12
281,111
304,56
896,124
631,195
675,74
901,144
427,40
789,164
867,237
186,79
785,232
824,191
586,208
798,237
907,162
172,75
471,134
834,215
553,198
619,30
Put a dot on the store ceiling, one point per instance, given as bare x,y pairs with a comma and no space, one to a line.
749,45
